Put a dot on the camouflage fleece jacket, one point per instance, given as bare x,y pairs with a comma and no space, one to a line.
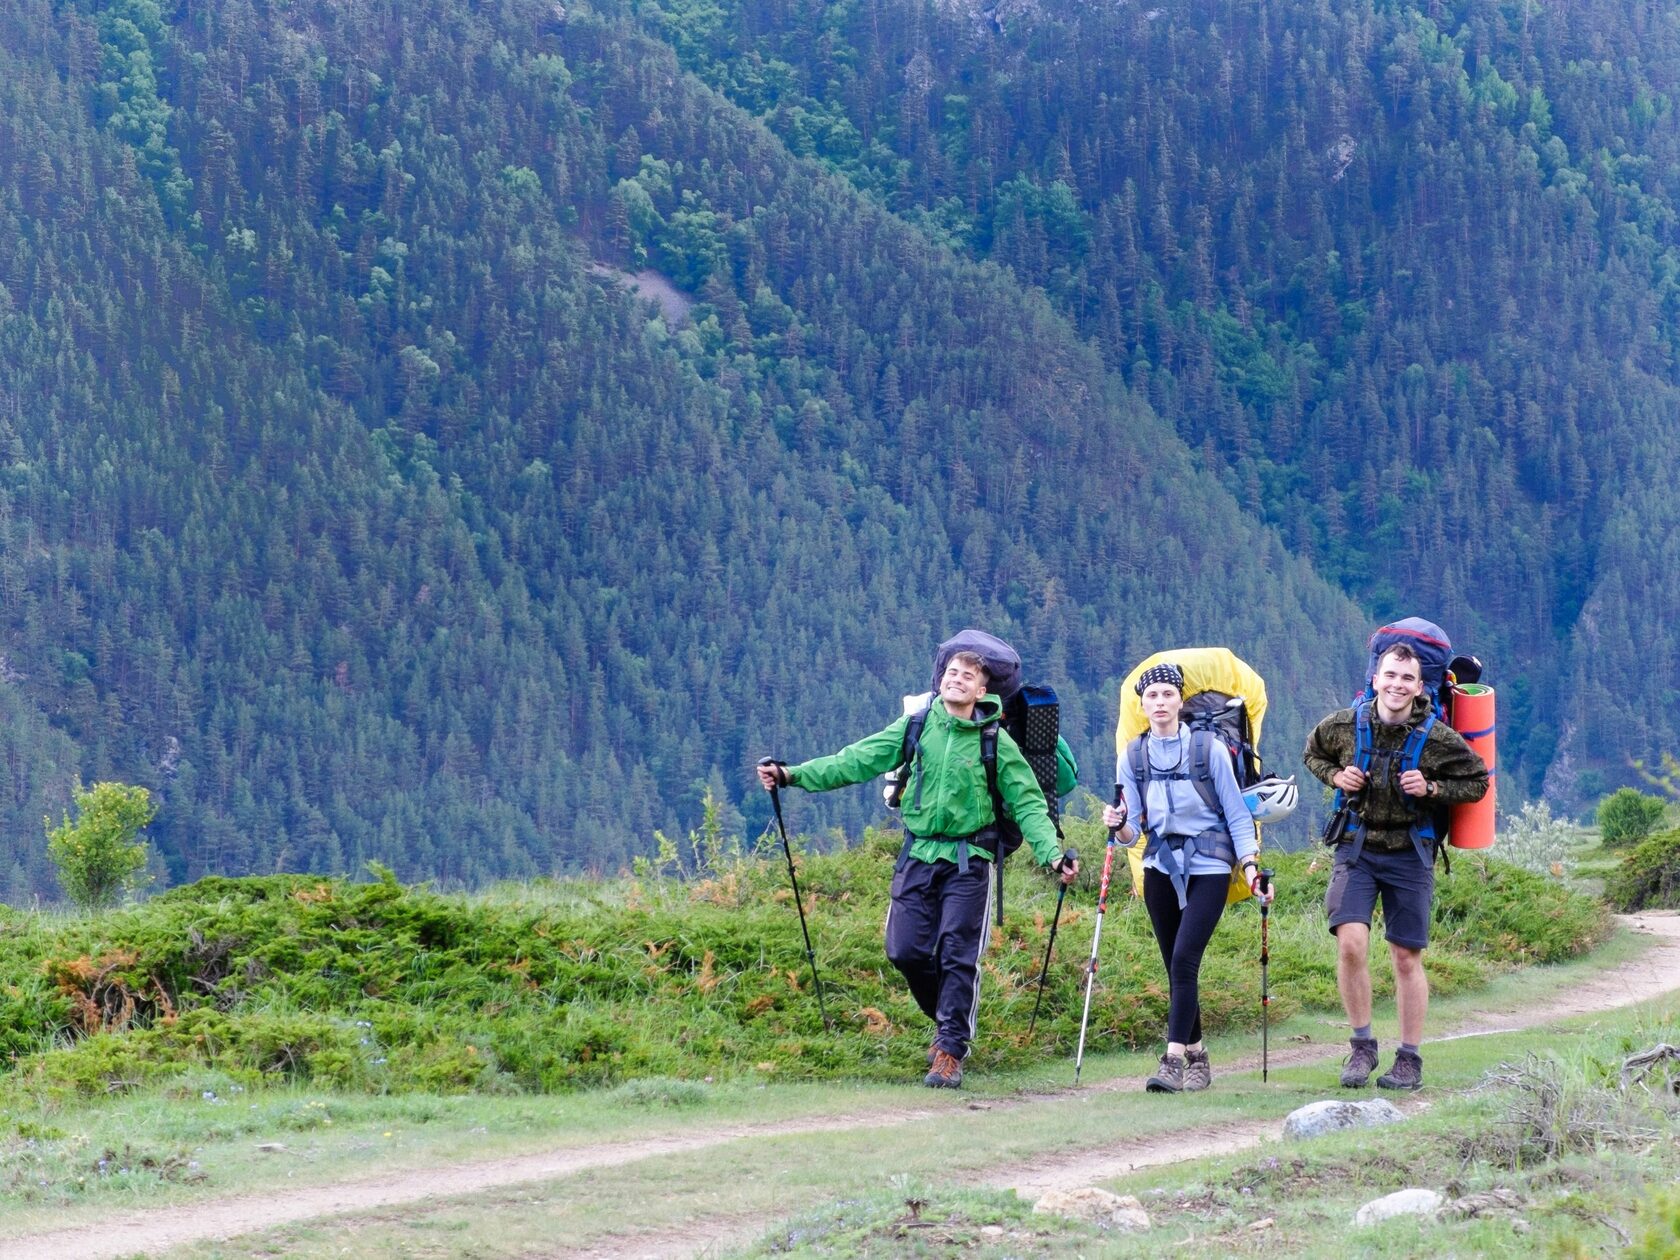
1385,809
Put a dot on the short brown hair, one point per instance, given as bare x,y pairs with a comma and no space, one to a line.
1402,652
973,660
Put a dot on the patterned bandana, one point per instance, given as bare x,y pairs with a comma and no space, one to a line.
1170,674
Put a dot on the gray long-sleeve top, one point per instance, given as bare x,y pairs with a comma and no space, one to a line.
1177,808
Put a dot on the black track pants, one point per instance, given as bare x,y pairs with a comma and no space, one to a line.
937,928
1183,936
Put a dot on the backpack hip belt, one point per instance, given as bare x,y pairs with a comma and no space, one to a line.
987,840
1215,842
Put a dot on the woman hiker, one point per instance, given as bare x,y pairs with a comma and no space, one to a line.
1190,849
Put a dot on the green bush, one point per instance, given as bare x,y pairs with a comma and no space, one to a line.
293,979
97,856
1649,876
1627,816
1658,1226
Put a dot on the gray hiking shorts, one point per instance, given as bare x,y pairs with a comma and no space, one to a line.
1405,885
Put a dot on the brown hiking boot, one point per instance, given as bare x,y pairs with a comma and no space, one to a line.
1356,1072
1169,1077
946,1072
1198,1072
1407,1072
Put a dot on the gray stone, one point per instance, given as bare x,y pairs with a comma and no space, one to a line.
1334,1115
1111,1211
1414,1202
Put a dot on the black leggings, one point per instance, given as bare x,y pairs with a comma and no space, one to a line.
1183,936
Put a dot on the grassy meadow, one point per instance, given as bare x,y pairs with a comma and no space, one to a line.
223,1038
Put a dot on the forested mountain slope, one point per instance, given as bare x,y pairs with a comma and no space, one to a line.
344,503
1403,275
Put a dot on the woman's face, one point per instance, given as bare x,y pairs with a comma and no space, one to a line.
1161,703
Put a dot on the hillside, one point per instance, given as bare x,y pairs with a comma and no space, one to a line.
353,502
1403,276
351,509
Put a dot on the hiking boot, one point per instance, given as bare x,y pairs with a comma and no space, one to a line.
1356,1072
1169,1077
1407,1072
1198,1072
945,1072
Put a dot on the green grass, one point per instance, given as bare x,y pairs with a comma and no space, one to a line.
1589,1160
847,1190
849,1193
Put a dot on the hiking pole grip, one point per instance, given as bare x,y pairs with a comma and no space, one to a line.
1119,802
798,900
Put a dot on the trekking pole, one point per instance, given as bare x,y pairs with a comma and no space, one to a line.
1096,937
787,851
1265,959
1061,892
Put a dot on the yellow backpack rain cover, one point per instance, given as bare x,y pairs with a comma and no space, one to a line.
1205,669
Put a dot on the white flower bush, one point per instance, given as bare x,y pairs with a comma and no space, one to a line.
1534,840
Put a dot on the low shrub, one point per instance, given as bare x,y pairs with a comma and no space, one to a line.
1657,1226
1649,876
1628,816
549,987
1582,1103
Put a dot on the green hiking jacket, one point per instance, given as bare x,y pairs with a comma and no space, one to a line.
953,800
1386,810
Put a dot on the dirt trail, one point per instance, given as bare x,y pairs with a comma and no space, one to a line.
1655,972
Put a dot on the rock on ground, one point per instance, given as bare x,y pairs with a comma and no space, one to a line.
1111,1211
1414,1202
1332,1116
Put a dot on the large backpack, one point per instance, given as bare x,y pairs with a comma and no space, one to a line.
1440,669
1437,664
1224,700
1032,716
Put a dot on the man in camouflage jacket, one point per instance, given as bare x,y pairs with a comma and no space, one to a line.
1385,854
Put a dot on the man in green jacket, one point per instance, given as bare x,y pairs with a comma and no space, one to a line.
1412,765
938,923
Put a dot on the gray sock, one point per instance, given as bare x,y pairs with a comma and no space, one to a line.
1363,1034
1412,1050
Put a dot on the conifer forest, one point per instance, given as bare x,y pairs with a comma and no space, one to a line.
467,434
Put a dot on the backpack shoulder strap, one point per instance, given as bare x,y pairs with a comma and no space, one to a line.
907,753
1201,768
1411,756
1426,835
1362,746
1138,759
988,759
